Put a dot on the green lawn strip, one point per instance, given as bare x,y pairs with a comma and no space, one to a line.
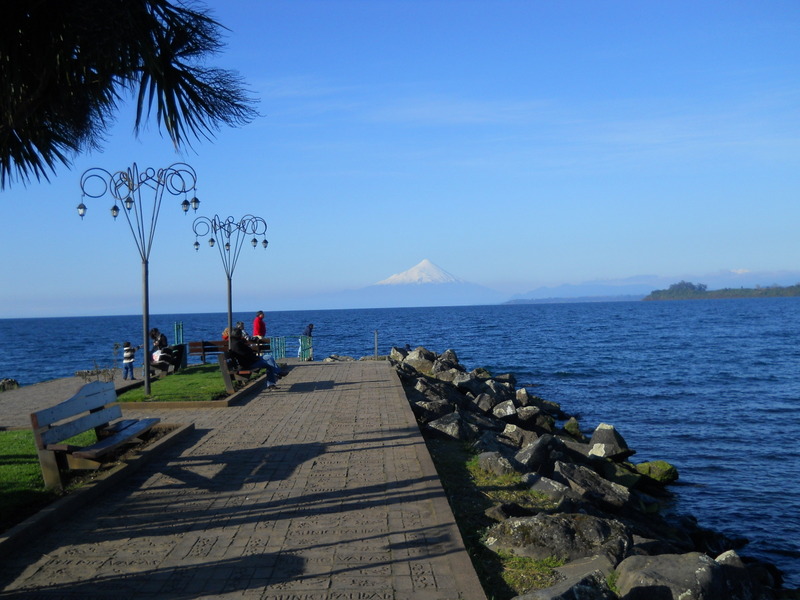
197,383
470,491
22,491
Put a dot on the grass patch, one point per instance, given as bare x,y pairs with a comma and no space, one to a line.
197,383
22,491
470,491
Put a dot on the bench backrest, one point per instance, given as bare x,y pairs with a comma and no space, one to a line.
217,346
207,347
93,406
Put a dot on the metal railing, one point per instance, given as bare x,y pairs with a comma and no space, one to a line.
278,347
306,349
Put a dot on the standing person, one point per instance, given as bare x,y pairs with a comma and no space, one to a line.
249,360
307,332
259,327
128,355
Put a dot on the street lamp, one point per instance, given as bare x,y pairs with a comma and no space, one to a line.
127,187
231,236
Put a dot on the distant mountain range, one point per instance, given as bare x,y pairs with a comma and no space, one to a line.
426,284
636,288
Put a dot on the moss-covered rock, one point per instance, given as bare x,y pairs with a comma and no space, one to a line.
659,470
573,428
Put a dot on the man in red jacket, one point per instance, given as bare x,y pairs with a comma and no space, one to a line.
259,327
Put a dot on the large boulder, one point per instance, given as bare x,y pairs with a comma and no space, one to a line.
542,455
436,390
690,576
604,494
426,411
482,403
473,385
480,373
454,376
454,426
606,442
421,359
565,536
523,397
490,442
528,415
397,355
505,410
544,485
659,470
447,361
502,390
483,422
518,436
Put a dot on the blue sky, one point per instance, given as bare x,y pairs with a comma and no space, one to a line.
514,144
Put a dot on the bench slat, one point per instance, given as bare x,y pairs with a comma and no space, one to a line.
127,434
59,433
118,426
92,395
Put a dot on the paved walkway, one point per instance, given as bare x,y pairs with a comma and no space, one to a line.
321,490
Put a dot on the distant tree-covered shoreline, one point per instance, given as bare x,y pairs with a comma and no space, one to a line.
685,290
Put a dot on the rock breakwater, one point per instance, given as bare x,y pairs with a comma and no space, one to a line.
606,521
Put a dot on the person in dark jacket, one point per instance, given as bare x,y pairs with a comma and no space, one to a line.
161,352
249,360
159,340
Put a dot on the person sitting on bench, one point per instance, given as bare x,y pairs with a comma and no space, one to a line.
249,360
161,355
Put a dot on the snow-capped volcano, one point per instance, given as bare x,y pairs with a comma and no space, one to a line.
423,285
424,272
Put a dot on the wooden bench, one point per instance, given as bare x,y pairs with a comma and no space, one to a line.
232,374
93,407
206,348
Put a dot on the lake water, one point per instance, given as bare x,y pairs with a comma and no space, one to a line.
712,386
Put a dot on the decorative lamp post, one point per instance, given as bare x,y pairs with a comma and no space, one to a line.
228,236
131,188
